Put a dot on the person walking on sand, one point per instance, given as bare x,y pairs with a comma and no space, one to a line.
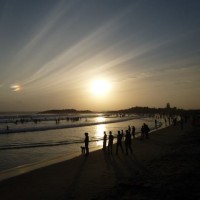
119,142
86,144
104,140
110,142
128,142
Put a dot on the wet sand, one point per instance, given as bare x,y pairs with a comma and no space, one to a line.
165,166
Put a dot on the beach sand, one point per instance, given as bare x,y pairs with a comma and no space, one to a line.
165,166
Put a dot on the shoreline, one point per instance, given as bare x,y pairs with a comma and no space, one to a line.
54,127
25,168
102,176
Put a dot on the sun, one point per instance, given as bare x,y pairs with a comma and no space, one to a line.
100,87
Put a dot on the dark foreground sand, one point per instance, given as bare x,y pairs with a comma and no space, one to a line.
165,166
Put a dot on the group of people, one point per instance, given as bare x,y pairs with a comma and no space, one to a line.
122,138
145,131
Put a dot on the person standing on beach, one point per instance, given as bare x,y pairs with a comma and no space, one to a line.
128,142
104,140
133,132
145,131
86,144
119,142
129,128
110,142
122,133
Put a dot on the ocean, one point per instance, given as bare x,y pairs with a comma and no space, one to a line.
27,138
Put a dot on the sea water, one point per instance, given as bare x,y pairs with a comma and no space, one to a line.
28,142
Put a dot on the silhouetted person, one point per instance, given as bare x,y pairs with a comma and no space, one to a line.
145,131
86,144
129,128
155,123
110,142
122,133
119,142
104,140
133,131
128,142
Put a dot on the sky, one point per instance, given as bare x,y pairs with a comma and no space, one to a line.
99,54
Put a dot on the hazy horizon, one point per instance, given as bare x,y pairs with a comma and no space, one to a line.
97,111
99,54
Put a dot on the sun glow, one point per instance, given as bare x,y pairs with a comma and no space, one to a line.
16,88
100,87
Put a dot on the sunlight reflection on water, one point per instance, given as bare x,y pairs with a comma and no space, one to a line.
99,134
100,119
66,138
99,130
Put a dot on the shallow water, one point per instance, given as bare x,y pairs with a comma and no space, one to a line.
17,149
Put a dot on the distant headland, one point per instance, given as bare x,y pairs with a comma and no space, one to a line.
136,110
